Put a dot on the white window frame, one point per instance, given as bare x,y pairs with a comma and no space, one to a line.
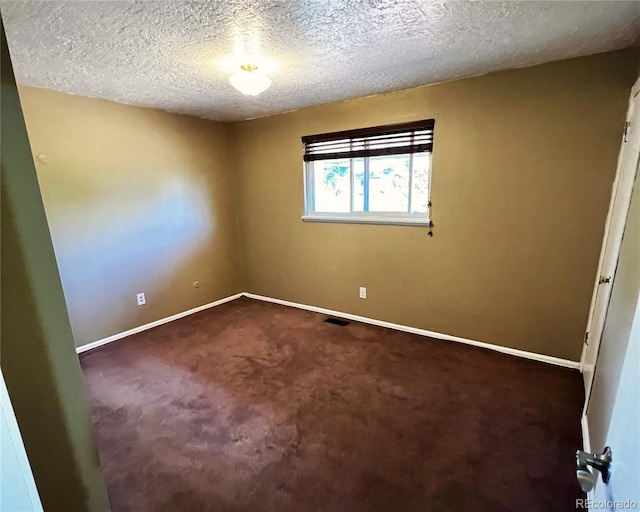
367,217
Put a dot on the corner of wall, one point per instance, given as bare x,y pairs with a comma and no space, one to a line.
241,217
39,364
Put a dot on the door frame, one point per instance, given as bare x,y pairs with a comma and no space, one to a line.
621,191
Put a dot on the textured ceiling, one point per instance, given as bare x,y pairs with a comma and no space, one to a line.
177,55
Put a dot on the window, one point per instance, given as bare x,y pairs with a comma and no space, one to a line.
380,175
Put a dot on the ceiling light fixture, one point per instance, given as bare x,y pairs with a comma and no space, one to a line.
249,80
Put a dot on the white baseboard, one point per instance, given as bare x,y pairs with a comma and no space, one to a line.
135,330
422,332
356,318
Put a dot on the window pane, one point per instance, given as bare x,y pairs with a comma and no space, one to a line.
332,189
420,192
389,183
358,184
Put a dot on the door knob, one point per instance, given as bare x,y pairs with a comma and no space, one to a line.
602,463
586,478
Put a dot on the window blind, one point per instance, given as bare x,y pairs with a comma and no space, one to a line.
396,139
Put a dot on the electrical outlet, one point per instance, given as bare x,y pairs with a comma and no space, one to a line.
363,292
141,299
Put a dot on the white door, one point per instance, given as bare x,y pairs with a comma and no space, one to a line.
18,491
622,492
614,229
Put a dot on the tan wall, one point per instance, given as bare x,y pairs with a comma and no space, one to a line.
137,200
39,362
142,200
522,171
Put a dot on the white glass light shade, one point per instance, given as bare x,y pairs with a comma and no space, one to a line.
249,81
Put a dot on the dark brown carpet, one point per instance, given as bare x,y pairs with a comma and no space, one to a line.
258,407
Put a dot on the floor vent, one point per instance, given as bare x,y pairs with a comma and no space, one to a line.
336,321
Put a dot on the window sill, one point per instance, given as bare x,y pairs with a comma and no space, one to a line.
369,219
